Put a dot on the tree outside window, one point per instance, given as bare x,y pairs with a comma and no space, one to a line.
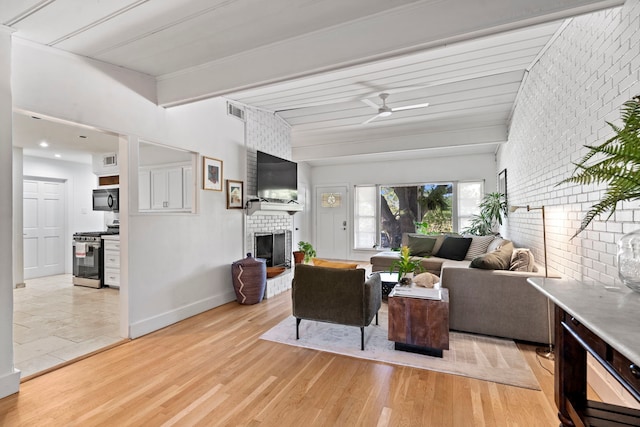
426,208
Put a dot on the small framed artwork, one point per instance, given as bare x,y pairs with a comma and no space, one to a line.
234,194
502,183
211,174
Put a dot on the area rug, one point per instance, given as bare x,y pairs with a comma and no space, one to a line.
469,355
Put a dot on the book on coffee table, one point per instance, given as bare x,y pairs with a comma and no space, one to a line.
416,292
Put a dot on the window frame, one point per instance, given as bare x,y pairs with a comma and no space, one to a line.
454,207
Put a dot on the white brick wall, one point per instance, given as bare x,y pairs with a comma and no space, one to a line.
591,69
268,133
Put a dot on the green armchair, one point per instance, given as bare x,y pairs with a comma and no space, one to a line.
336,296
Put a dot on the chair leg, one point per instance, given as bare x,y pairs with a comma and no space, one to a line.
361,338
376,317
298,328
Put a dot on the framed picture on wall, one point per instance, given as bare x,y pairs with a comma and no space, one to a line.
211,174
234,194
502,183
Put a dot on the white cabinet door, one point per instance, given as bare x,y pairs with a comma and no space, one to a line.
144,190
169,188
187,187
159,184
174,188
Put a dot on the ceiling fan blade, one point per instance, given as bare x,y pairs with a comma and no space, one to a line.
410,107
371,119
370,104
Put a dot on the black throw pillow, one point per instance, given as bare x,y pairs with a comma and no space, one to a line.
454,248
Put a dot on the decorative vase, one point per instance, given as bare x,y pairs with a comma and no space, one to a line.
249,279
629,260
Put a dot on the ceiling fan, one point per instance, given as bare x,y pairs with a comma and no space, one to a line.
385,111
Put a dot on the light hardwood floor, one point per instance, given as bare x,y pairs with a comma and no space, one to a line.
213,369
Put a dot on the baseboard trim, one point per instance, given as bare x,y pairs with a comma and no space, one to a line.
10,383
151,324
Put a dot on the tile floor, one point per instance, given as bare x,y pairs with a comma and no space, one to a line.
55,322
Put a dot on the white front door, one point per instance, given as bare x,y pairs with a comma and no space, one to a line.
331,225
43,232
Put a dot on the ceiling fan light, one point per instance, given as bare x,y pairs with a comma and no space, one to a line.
385,114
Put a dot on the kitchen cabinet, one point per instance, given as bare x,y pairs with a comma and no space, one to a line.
165,188
112,261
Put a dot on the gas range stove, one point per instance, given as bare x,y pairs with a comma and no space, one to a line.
92,236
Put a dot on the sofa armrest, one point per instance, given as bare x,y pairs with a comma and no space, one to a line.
497,302
373,295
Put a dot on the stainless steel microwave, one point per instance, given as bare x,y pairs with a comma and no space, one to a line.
106,199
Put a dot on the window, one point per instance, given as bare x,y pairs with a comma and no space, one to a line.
469,197
383,213
365,213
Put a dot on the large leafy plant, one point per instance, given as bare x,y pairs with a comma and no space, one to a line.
616,162
492,208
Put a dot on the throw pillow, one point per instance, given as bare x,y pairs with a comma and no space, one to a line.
522,260
497,260
455,248
421,245
479,245
333,264
497,243
426,280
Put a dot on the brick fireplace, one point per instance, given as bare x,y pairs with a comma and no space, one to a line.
268,133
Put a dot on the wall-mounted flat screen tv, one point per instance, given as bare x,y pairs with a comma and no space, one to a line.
277,178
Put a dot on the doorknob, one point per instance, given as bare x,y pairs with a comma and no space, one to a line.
344,223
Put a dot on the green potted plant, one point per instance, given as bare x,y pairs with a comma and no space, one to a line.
616,163
405,266
492,208
307,250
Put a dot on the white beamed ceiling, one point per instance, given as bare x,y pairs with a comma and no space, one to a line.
312,62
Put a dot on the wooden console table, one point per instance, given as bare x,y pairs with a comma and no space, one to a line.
604,321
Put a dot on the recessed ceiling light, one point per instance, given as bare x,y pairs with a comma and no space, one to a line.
83,136
44,144
57,155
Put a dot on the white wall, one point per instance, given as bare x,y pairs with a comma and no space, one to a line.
591,69
178,264
9,378
79,184
413,171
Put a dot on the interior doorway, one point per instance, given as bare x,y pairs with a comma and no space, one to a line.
43,227
54,321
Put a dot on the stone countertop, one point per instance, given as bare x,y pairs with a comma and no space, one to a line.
612,313
110,237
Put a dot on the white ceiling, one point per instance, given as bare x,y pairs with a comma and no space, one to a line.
313,61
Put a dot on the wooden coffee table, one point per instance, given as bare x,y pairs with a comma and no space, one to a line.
420,325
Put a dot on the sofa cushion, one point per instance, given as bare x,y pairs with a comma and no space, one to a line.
421,245
439,239
479,245
455,248
333,264
522,260
496,243
499,259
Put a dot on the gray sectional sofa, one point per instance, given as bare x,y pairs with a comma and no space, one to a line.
483,301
